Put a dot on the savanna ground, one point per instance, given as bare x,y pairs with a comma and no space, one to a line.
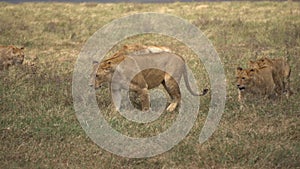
38,125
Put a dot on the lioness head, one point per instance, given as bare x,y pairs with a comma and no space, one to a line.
17,55
104,71
245,78
14,55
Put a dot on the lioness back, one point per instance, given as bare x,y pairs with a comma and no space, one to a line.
138,49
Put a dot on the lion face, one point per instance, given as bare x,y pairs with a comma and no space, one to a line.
244,78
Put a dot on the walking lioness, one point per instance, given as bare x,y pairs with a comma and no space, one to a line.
143,72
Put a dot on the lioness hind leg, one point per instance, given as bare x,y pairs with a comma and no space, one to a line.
117,98
173,90
139,85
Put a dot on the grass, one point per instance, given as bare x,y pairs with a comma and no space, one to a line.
38,126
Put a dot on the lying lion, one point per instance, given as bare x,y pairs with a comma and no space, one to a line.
258,81
142,72
280,72
10,55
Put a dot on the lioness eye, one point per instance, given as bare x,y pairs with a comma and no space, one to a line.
243,78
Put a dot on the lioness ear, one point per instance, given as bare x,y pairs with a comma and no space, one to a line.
138,46
107,70
22,48
95,62
14,50
239,69
267,59
125,47
252,71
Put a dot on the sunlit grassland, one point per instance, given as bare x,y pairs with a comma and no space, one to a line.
38,124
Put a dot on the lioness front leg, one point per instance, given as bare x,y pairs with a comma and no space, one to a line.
145,100
117,98
143,94
287,89
241,96
241,99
